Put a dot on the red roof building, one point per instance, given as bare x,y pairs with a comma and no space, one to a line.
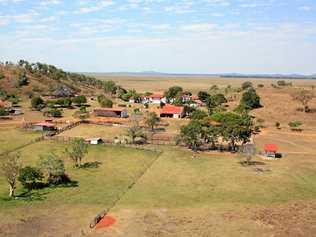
270,148
172,111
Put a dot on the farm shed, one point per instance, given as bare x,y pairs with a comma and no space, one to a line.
44,126
271,150
172,111
111,112
94,141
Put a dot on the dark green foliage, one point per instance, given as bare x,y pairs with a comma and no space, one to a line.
64,102
219,99
37,103
30,176
56,113
250,99
105,102
203,95
246,85
130,94
173,92
79,100
198,115
234,127
53,167
3,112
191,135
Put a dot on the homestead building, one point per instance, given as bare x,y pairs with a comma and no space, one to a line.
111,112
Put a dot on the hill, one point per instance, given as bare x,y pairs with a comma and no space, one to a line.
28,79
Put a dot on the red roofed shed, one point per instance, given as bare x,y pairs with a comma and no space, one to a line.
172,111
271,149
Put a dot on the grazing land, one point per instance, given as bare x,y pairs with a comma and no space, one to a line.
163,190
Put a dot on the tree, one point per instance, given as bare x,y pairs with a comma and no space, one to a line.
246,85
10,167
173,92
210,104
109,87
191,134
250,99
304,97
53,167
152,120
79,100
234,127
219,99
105,102
78,149
203,95
37,103
198,114
135,131
29,176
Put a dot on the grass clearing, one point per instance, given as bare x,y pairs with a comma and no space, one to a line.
12,137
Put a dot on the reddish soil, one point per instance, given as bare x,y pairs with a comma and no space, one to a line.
106,221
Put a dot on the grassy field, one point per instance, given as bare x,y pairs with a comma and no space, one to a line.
176,188
12,137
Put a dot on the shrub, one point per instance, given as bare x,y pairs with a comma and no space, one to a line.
3,112
79,100
295,124
56,113
278,125
246,85
37,103
105,102
260,85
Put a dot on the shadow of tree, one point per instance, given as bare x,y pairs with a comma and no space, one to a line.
91,165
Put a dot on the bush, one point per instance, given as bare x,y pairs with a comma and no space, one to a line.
278,125
30,176
3,112
56,113
37,103
260,85
105,102
246,85
294,125
79,100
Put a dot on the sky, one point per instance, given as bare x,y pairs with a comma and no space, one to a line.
172,36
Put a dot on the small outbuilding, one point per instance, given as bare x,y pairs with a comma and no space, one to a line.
44,127
271,150
95,141
111,112
172,111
